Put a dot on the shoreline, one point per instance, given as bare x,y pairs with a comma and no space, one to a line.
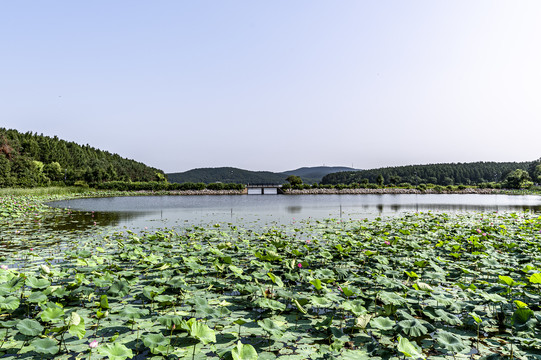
293,192
391,191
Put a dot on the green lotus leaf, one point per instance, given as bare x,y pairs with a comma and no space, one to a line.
9,303
266,303
37,297
382,323
355,306
492,297
36,283
270,326
116,351
132,313
243,352
423,286
169,320
14,284
391,298
317,284
78,329
320,301
522,315
535,278
45,346
361,322
29,327
413,327
164,299
448,318
119,288
104,302
202,332
275,279
52,314
450,341
506,280
154,340
409,349
476,318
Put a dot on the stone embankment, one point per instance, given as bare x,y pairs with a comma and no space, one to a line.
195,192
388,191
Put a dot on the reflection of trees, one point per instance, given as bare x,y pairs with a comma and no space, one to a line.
84,220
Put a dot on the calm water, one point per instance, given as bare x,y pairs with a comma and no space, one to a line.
169,211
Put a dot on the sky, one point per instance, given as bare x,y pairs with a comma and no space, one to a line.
277,85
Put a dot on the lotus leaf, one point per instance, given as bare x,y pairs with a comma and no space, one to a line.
382,323
450,341
116,351
45,346
408,348
52,314
270,326
243,352
30,327
413,327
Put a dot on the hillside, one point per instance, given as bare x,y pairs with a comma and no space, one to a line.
227,175
309,175
440,174
29,160
315,174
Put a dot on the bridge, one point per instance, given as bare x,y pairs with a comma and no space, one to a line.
264,189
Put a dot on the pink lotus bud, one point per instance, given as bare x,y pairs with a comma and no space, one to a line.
93,344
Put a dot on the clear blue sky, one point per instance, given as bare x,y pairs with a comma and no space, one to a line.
276,85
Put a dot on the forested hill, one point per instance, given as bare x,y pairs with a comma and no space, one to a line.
439,174
227,175
314,174
28,160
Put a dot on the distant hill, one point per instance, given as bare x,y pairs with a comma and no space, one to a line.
239,176
316,173
227,175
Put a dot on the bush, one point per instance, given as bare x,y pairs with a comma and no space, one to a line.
215,186
461,187
421,187
80,183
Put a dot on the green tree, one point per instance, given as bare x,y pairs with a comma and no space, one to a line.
53,171
294,180
380,180
518,179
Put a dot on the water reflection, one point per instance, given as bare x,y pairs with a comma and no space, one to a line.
172,211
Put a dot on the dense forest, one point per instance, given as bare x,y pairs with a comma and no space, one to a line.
439,174
29,160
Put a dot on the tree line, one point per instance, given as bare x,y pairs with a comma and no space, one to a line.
508,174
30,160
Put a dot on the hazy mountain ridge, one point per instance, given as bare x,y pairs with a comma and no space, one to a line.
241,176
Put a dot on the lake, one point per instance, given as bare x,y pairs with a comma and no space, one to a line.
171,211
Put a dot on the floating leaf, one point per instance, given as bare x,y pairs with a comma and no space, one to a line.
116,351
45,346
29,327
408,348
382,323
450,341
243,352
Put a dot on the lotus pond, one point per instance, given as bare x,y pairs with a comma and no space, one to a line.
422,285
